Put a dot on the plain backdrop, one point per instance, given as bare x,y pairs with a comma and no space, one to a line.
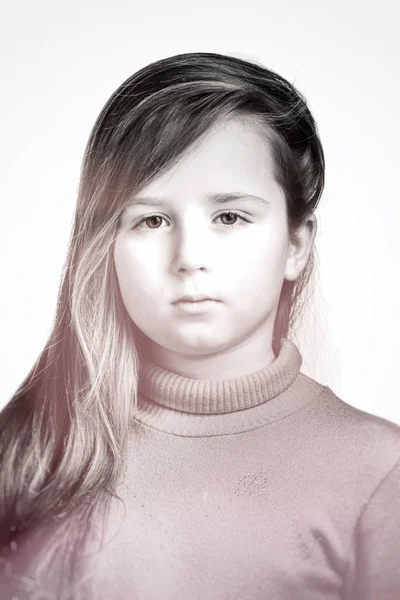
60,62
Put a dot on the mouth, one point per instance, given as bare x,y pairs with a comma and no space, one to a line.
194,299
195,306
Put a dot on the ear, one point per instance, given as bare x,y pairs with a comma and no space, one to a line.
300,247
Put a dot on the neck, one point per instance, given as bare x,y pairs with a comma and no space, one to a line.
186,406
247,356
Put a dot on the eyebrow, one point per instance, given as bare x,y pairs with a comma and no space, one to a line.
220,198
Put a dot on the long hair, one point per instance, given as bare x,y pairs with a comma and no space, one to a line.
63,433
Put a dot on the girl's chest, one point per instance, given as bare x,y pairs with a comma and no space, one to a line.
197,547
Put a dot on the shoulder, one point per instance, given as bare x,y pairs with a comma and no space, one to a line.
367,437
363,440
363,423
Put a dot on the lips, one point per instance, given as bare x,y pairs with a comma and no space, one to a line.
188,298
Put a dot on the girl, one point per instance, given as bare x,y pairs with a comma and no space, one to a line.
165,446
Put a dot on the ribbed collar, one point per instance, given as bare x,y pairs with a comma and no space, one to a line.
184,406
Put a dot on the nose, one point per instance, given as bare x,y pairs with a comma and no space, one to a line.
192,251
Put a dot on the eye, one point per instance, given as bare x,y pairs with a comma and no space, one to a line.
148,219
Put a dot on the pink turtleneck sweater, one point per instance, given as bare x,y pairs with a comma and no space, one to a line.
264,487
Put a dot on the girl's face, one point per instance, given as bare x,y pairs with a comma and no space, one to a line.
237,252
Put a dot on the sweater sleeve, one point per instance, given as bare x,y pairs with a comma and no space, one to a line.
373,570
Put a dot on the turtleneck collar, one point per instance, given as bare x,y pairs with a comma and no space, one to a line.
183,406
224,395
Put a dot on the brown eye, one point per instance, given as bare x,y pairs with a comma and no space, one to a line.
232,214
150,223
147,220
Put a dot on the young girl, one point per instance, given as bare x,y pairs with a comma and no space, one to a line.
168,447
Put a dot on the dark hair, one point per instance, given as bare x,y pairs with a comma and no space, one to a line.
63,433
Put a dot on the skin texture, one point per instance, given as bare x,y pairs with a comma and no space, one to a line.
189,246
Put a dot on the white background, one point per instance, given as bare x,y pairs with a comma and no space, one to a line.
59,65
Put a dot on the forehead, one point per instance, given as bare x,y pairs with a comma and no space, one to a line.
232,149
231,161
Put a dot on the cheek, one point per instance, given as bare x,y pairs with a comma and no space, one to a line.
263,267
137,273
139,291
127,277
